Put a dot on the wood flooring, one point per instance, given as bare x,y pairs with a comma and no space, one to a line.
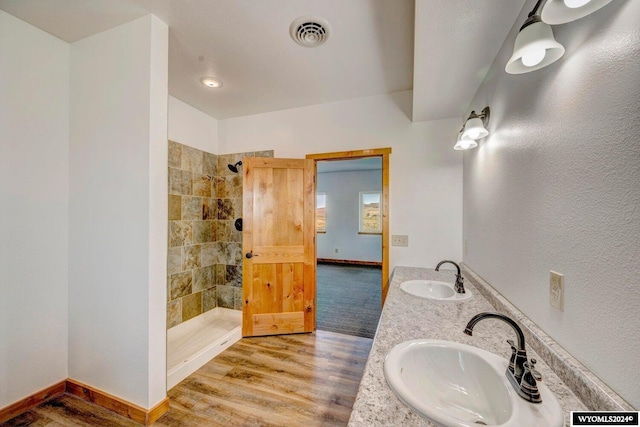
287,380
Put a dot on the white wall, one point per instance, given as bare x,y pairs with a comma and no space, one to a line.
342,212
192,127
556,186
34,117
117,210
157,212
426,173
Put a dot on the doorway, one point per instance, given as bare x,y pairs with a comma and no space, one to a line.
352,239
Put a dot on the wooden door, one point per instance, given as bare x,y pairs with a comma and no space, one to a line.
278,240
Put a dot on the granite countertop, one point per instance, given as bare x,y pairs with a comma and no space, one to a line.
406,317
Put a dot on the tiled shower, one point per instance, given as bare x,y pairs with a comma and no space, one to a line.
204,264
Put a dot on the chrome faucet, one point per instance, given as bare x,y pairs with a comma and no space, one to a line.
458,287
521,373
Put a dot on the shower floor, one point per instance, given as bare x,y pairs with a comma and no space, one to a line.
193,343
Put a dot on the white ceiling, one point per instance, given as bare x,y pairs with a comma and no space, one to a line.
246,44
456,42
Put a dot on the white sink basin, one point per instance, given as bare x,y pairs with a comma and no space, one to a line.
432,289
454,384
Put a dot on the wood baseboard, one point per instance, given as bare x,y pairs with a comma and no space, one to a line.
349,262
126,409
32,401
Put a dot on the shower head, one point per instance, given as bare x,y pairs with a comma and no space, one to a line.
234,168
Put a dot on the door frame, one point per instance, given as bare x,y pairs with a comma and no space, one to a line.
359,154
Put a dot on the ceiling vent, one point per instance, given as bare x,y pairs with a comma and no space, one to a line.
309,31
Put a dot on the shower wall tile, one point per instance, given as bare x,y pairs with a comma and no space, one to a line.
226,296
229,186
211,253
192,159
175,153
180,233
232,234
221,230
204,231
210,164
233,253
224,255
221,274
191,208
218,183
175,207
237,207
266,153
203,278
233,276
202,185
209,299
174,260
226,232
237,303
191,306
174,313
180,284
230,208
180,181
225,209
190,257
209,208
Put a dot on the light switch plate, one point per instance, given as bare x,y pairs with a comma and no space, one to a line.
399,240
556,290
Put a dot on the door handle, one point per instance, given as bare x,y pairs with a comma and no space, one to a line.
249,255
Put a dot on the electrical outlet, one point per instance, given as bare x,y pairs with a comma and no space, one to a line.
335,250
399,240
556,290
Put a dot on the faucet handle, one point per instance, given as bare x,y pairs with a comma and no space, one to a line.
514,351
531,365
459,285
528,386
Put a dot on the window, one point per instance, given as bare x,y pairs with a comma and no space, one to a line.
321,206
370,212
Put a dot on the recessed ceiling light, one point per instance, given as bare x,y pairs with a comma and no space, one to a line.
211,82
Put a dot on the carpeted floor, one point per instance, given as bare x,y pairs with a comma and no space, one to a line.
348,299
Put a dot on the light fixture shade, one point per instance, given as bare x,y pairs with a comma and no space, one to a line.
474,129
536,44
557,12
464,143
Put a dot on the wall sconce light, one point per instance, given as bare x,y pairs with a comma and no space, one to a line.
464,143
535,47
473,128
556,12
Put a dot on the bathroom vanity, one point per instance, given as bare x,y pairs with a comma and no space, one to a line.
408,317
